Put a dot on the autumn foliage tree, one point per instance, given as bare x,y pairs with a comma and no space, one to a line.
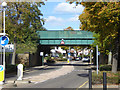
69,28
103,18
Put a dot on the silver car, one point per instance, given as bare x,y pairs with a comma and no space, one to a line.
86,59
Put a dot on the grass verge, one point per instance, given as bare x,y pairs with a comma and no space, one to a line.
112,78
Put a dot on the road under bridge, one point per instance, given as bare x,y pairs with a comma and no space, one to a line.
63,38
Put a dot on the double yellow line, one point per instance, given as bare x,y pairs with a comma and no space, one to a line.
82,85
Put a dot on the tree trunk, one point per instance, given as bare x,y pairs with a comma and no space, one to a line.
114,65
116,53
14,54
101,59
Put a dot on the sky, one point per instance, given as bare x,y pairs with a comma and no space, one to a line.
60,15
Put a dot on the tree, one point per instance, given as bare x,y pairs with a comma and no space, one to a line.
22,21
103,18
69,28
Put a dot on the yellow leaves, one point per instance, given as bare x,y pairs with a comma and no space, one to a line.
114,35
110,21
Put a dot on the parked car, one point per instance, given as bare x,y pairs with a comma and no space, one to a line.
86,59
77,59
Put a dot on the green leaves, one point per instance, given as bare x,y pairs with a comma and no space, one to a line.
23,19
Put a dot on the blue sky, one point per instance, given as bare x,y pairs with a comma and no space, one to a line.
60,15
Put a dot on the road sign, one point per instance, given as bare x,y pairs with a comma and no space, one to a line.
62,42
1,73
8,48
4,40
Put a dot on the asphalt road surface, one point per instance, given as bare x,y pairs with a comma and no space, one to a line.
76,79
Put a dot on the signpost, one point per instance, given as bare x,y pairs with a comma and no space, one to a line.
97,57
4,40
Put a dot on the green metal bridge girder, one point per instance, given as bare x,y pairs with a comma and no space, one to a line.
70,37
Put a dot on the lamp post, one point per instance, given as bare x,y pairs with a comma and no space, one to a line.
4,5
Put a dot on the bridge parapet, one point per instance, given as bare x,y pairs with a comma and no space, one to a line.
70,37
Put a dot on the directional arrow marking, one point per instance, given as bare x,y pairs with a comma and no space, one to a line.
1,68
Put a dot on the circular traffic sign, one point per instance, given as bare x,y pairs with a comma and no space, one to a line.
4,40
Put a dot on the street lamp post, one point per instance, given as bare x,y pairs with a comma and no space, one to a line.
4,5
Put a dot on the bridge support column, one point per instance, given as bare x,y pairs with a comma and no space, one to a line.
45,49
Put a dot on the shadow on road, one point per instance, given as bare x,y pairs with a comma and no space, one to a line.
26,72
52,68
83,75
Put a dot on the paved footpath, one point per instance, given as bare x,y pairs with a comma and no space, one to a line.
40,77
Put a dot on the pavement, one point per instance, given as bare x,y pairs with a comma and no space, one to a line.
10,83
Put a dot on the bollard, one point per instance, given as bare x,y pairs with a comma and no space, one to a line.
104,81
68,60
20,71
90,79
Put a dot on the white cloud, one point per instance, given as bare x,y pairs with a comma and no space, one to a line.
75,18
54,19
59,19
68,8
59,22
